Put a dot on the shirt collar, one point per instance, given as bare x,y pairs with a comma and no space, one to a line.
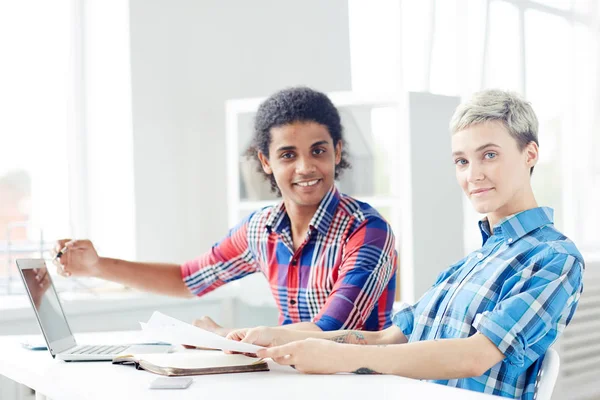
514,227
279,220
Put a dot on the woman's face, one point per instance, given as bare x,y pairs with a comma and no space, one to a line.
491,170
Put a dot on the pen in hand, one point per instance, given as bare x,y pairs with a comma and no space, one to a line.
60,253
56,261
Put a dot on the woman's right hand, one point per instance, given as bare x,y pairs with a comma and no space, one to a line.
79,259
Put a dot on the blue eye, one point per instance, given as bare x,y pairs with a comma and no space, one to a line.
490,155
460,161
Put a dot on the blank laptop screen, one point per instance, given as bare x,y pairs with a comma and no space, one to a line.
44,299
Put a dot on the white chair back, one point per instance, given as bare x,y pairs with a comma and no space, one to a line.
547,375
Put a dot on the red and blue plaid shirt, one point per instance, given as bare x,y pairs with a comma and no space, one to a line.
341,277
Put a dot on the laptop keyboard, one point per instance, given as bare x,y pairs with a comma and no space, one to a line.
91,349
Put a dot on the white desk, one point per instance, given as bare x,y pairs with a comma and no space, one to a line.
59,380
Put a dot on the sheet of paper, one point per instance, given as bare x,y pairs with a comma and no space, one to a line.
161,327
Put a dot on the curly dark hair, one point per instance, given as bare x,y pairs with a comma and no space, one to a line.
296,104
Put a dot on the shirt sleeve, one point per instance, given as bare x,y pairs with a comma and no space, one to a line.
368,263
405,319
228,260
534,310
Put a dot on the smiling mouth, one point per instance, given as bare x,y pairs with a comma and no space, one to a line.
480,191
307,183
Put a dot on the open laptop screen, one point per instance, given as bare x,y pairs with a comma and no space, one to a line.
46,304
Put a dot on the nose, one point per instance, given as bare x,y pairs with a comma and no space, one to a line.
475,172
304,166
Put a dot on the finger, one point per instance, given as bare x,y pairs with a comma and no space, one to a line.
43,274
277,351
61,270
202,321
285,360
79,244
58,265
251,336
45,282
60,244
65,259
235,335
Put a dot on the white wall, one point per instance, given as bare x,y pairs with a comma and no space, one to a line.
187,58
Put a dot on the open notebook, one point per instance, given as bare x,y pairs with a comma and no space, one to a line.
196,362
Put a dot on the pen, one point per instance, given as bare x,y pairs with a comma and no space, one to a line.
60,253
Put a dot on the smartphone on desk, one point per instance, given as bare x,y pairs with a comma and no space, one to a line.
171,383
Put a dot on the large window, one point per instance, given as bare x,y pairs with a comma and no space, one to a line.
35,77
545,49
65,133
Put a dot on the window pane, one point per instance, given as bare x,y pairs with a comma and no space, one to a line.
458,47
584,7
471,60
548,77
559,4
33,128
416,30
546,42
503,62
586,107
444,71
591,215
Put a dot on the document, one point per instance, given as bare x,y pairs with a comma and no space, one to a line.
162,328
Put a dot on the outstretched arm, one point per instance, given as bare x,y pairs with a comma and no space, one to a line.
277,336
439,359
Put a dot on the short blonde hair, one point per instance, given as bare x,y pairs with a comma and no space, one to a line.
509,108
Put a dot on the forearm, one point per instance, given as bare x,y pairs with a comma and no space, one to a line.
151,277
392,335
432,359
303,326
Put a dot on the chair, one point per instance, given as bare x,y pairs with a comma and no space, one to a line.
547,375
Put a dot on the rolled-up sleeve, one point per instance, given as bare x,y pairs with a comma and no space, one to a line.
228,260
405,319
533,312
369,263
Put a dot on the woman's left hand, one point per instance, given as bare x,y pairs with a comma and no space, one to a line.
311,356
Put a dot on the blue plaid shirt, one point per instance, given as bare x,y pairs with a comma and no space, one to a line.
520,290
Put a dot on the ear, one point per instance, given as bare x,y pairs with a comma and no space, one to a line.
338,152
531,154
264,162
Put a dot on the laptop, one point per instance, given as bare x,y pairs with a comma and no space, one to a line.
53,321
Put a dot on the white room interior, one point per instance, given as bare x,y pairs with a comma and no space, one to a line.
122,122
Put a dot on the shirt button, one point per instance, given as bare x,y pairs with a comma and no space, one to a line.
510,240
293,261
292,301
479,255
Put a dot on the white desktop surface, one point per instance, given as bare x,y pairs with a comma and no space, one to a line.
60,380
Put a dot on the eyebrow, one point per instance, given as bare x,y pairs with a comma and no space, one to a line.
287,148
485,146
